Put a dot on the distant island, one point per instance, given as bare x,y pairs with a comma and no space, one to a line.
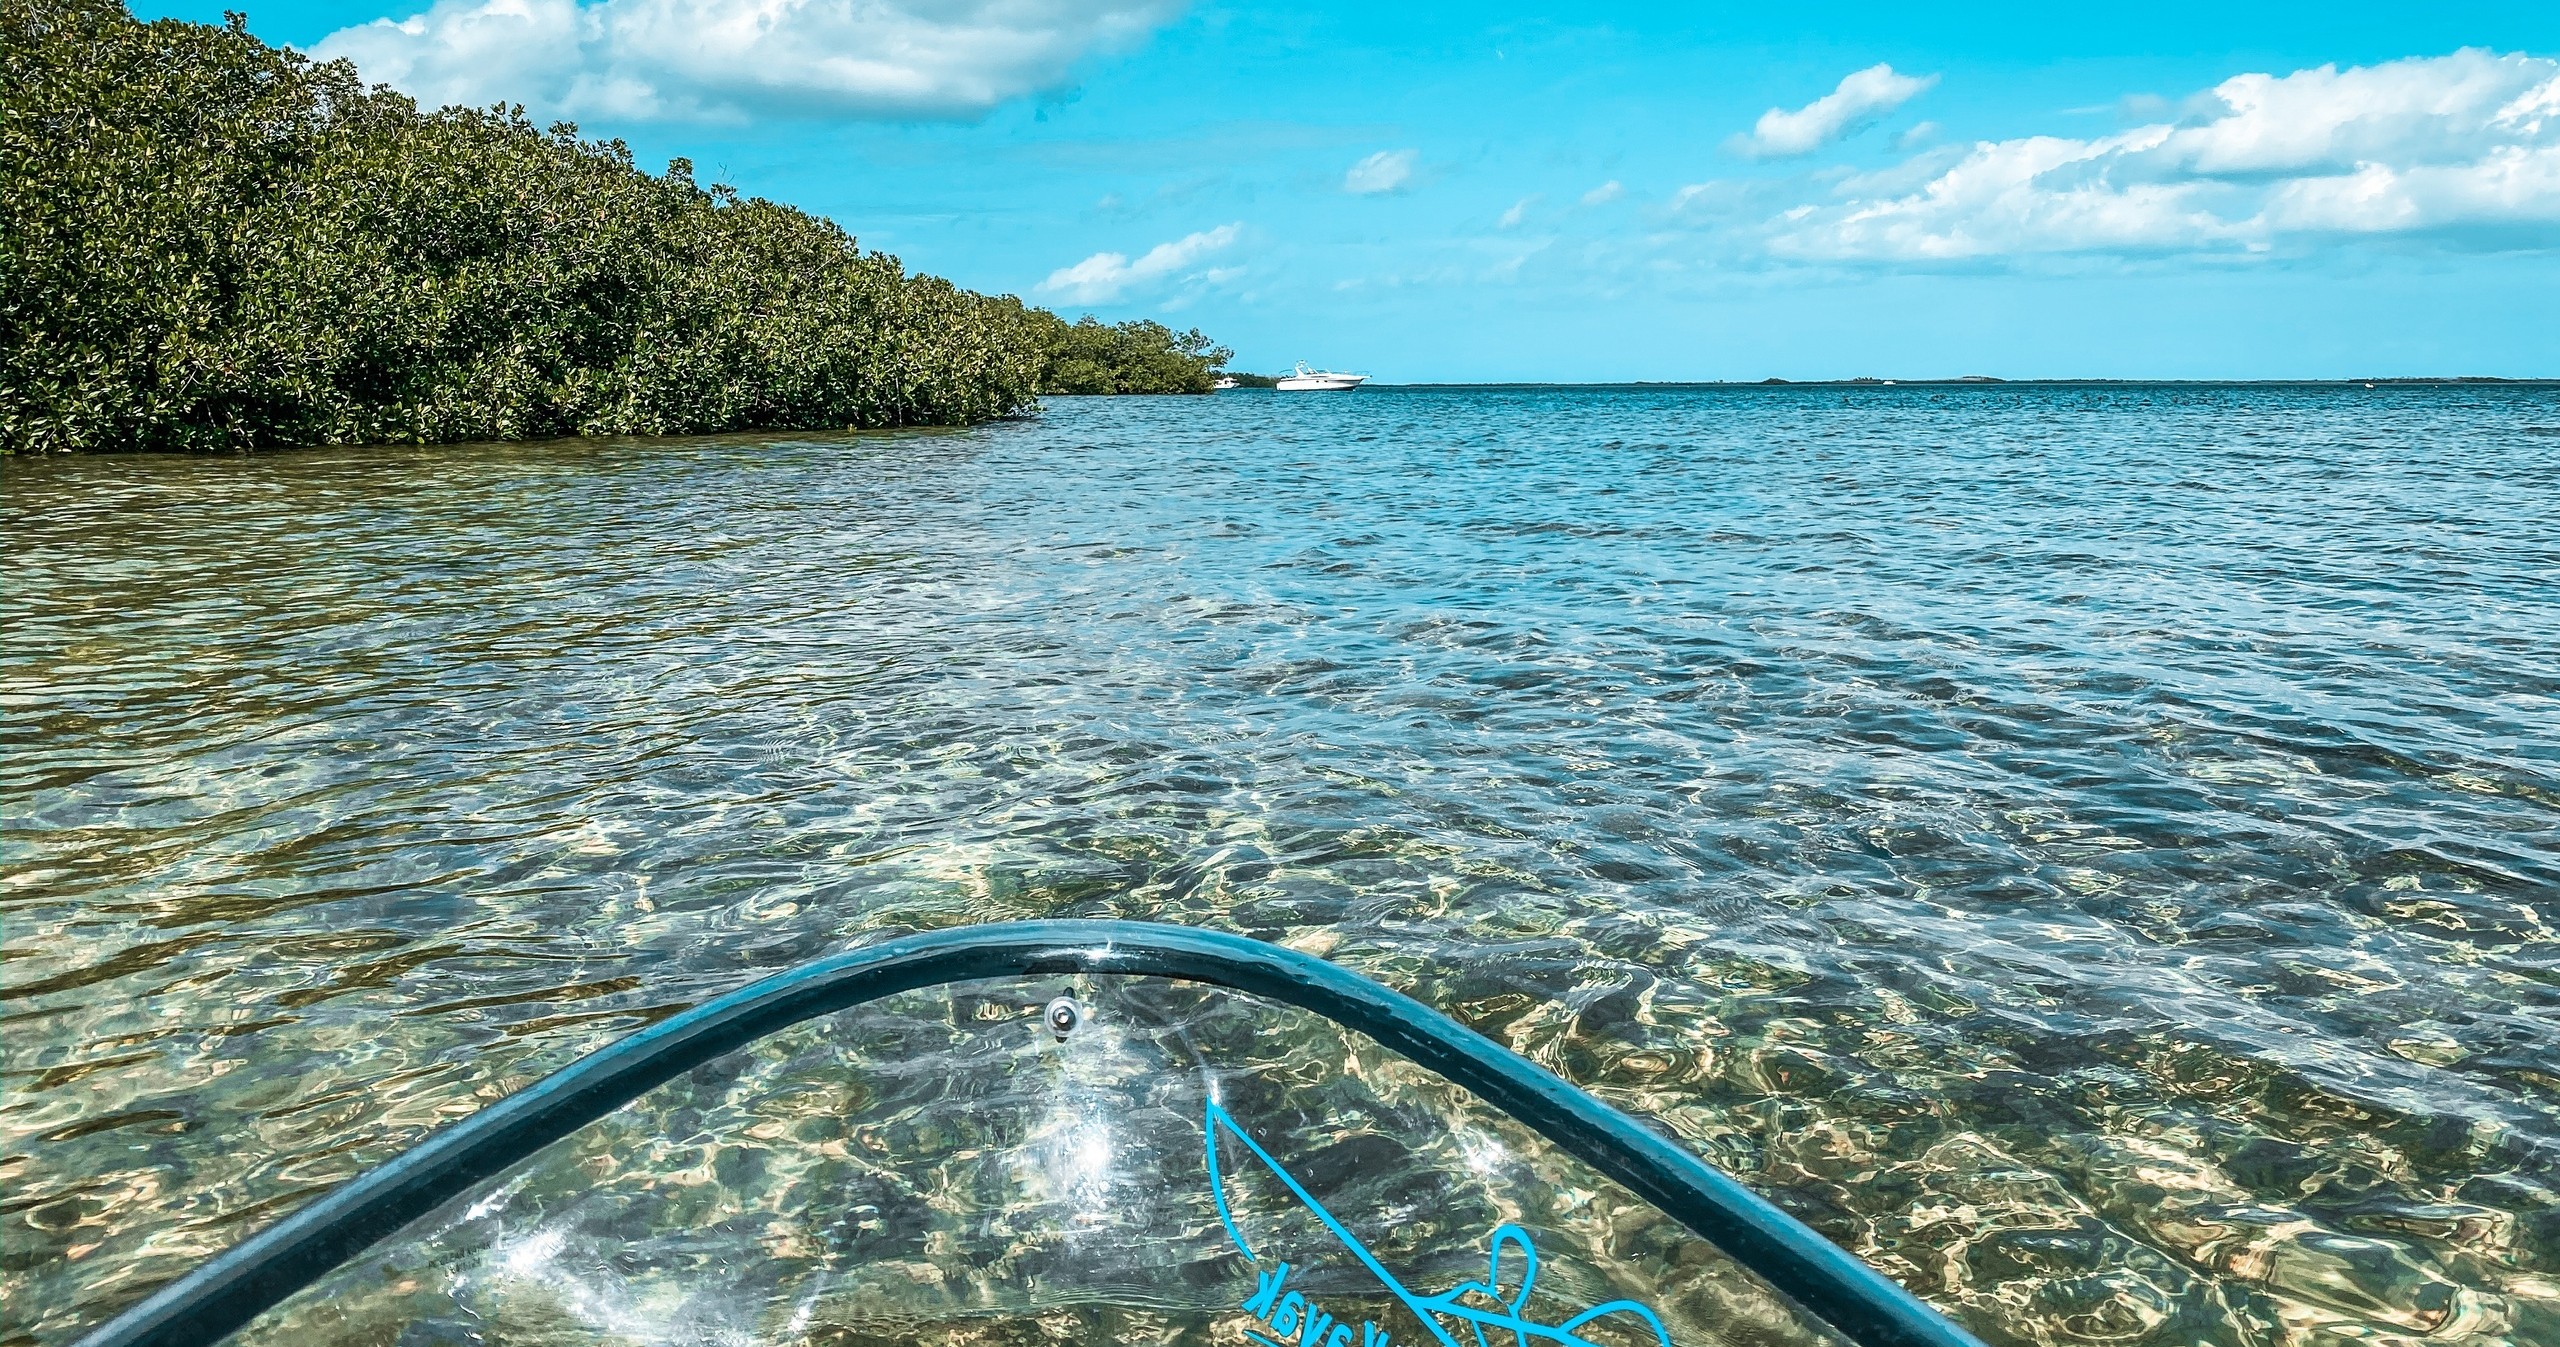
209,243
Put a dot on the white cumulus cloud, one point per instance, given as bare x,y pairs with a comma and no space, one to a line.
1384,171
1604,193
1519,211
1105,277
723,59
1862,100
2465,142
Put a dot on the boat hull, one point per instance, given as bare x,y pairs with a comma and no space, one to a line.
1030,1128
1321,383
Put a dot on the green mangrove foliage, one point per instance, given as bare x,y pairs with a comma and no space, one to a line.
1088,356
210,243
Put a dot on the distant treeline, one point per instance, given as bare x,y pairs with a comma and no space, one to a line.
210,243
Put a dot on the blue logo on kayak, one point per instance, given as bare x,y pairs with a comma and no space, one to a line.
1286,1317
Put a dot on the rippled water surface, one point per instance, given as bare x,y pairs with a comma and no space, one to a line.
2090,851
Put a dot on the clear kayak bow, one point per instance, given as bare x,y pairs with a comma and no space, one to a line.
1044,1132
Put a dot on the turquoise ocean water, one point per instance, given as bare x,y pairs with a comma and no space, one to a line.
2113,831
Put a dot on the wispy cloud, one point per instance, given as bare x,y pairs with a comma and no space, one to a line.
2465,145
1863,98
1519,211
1105,277
1604,193
722,60
1384,171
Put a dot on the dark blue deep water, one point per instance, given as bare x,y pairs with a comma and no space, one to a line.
2110,835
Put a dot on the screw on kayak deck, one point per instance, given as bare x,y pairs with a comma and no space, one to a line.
1062,1016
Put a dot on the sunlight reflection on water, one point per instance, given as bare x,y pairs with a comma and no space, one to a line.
2087,850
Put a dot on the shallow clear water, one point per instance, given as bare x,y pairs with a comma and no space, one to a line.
938,1170
2090,851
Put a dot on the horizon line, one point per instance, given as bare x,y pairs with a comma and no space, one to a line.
1974,381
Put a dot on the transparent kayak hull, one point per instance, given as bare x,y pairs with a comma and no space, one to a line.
1044,1133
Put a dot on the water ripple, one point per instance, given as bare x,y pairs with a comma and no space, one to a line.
2088,850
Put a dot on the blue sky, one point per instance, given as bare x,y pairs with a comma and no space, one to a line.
1478,192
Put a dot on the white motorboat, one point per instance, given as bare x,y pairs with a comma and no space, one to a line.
1222,385
1307,380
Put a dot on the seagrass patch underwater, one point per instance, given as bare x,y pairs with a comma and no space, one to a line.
2088,850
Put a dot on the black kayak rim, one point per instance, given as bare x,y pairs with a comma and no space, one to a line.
210,1303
